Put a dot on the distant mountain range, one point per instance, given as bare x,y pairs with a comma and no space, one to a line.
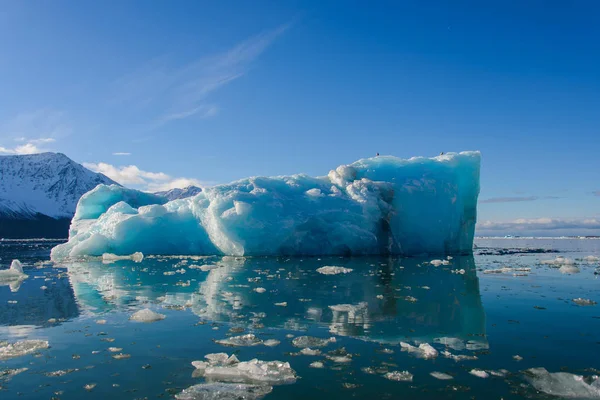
39,194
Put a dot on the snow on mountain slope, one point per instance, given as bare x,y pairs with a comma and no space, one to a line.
176,193
47,183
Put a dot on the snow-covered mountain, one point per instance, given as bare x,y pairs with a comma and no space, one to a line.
42,186
175,194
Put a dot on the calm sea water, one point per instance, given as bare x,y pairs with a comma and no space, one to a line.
83,309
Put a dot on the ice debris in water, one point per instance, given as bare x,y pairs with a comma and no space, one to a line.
110,258
307,351
441,376
246,340
558,261
569,269
437,263
260,290
316,364
507,270
399,376
147,315
21,348
223,368
563,384
333,270
425,350
584,302
14,276
451,342
479,373
458,357
7,374
224,391
591,259
311,341
427,205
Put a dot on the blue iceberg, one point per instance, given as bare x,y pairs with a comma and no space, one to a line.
380,205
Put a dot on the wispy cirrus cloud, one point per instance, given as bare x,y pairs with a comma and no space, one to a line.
131,175
121,154
541,224
176,93
517,199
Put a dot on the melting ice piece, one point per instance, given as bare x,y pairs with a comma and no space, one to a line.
380,205
591,259
224,391
108,258
13,276
558,261
437,263
240,341
425,350
147,315
441,376
220,367
569,269
399,376
333,270
584,302
451,342
311,341
479,373
21,348
563,384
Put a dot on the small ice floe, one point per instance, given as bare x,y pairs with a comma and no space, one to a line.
339,356
591,259
517,357
282,304
7,374
121,356
240,341
316,364
425,350
563,384
89,386
558,261
458,357
479,373
333,270
379,297
399,376
229,369
584,302
260,290
311,341
441,376
21,348
411,299
108,258
517,271
458,271
569,269
499,372
208,267
307,351
437,263
147,315
451,342
224,391
271,342
13,276
115,349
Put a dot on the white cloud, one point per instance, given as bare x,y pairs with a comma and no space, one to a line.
28,148
175,93
131,175
35,129
121,154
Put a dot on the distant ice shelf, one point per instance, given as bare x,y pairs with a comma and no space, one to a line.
379,205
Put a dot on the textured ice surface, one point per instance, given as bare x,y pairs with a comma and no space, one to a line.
310,341
333,270
563,384
224,391
221,367
109,258
399,376
21,348
146,315
425,350
381,205
441,376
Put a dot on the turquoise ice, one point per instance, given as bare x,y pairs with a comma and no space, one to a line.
380,205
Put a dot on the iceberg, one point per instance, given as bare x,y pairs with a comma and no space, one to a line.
379,205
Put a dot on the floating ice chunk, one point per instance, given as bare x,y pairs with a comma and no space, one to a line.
309,352
479,373
224,391
147,315
500,372
506,270
458,271
569,269
333,270
311,341
240,341
115,349
7,374
399,376
61,372
260,290
21,348
282,304
108,258
14,276
451,342
121,356
271,372
562,384
437,263
584,302
458,357
425,350
517,357
558,261
271,342
316,364
591,259
441,376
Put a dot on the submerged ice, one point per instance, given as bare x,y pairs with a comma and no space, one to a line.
381,205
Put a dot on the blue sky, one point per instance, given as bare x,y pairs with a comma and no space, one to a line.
159,94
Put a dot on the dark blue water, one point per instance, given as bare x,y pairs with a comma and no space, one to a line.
83,309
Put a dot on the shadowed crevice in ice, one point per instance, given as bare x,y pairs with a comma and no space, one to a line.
381,205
